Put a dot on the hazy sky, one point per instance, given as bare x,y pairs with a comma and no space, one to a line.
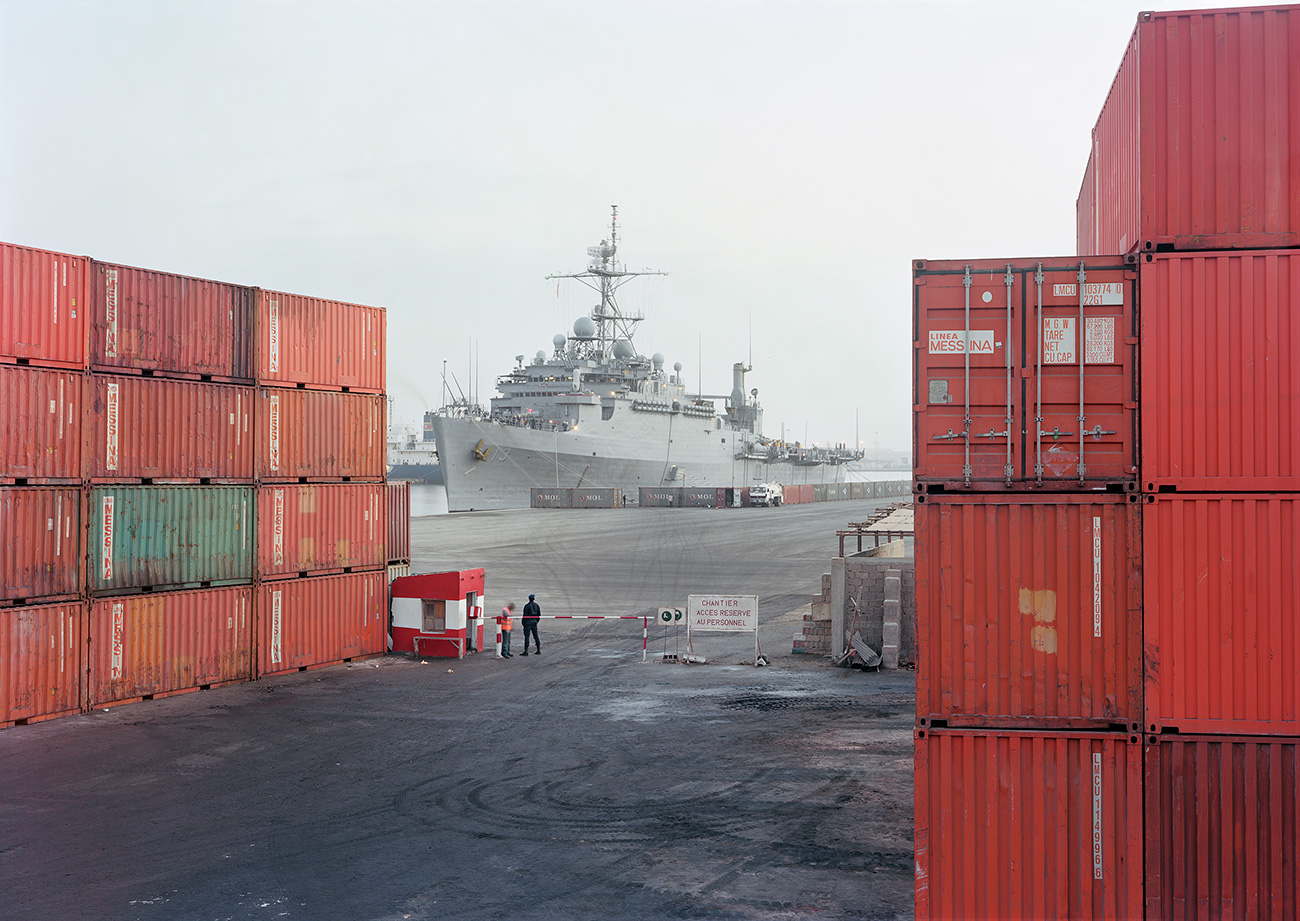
783,161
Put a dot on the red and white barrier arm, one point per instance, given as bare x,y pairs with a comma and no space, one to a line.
644,618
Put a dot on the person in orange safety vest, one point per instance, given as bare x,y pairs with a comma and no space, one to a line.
504,623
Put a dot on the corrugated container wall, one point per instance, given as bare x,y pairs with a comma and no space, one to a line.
1198,143
312,528
163,642
41,534
171,325
41,424
1222,837
317,343
319,435
42,664
169,430
319,620
1221,611
999,345
399,522
1221,371
1029,614
1028,825
44,300
550,497
170,536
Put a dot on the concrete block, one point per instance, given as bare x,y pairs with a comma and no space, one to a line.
889,657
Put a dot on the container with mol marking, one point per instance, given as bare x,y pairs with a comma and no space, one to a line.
1025,374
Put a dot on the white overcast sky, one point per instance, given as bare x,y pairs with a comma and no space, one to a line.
782,161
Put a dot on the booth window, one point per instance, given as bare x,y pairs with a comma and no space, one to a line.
435,616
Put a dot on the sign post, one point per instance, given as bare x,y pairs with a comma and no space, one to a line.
723,614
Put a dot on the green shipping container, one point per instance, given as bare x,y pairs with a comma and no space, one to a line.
819,492
170,536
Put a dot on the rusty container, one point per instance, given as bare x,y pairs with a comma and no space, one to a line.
41,543
1221,611
1196,146
997,346
144,646
42,661
306,435
320,527
319,620
44,302
1029,615
169,431
1221,370
1222,837
170,325
40,425
398,497
319,344
1013,825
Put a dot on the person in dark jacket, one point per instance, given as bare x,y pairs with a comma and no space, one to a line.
532,611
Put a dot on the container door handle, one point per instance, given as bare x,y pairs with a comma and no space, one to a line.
1054,434
952,435
1097,431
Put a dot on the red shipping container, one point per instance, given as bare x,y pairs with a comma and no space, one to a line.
976,404
44,300
399,522
41,543
1029,614
1028,825
42,665
161,643
1221,371
320,435
40,426
312,342
1222,837
1221,604
171,325
1198,145
320,620
169,431
320,527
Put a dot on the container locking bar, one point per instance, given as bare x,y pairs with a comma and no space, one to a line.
1079,347
1008,470
966,468
1038,376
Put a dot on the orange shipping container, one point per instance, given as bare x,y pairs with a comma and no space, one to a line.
40,425
171,325
41,543
319,435
1029,614
150,645
42,671
320,527
312,342
44,299
320,620
399,522
1221,592
1028,825
1222,837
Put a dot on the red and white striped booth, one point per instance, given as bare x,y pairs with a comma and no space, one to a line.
439,613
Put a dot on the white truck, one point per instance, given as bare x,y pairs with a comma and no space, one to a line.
765,494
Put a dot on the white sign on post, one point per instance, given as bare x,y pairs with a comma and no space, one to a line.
723,614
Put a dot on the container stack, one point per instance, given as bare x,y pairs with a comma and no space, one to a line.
1194,167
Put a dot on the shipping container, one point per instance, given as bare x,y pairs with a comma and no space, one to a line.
1221,610
144,646
997,346
1221,371
1196,146
41,541
319,620
699,496
1222,837
146,537
597,497
41,425
315,343
1028,825
44,300
819,492
659,496
320,527
859,490
42,664
305,435
168,431
399,522
170,325
1029,614
551,497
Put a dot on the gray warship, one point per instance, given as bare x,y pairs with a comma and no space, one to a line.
595,412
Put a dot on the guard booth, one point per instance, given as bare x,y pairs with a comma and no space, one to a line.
438,614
